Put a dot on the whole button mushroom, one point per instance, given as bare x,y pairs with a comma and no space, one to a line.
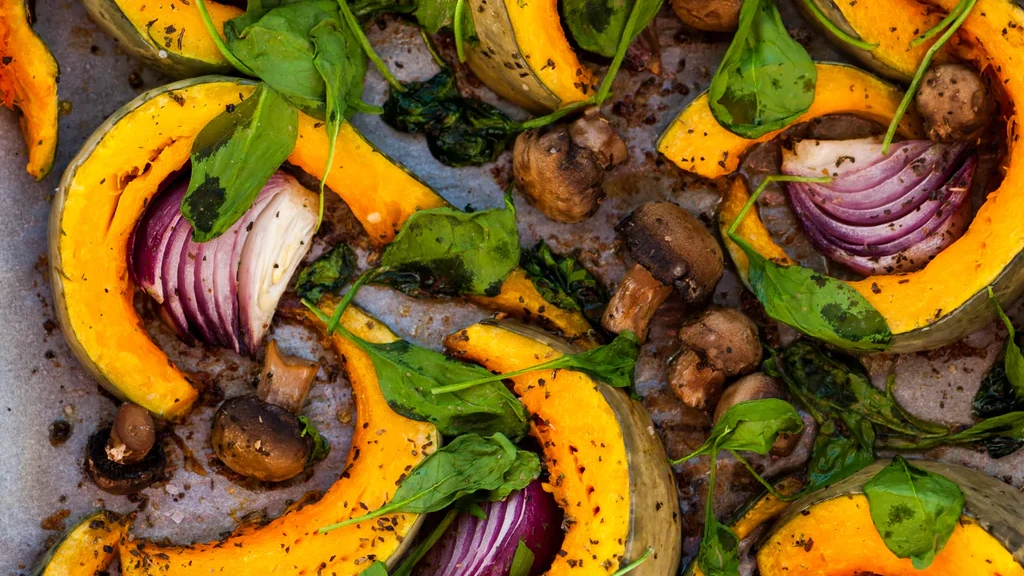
955,103
124,458
260,436
672,252
757,386
726,344
560,169
709,15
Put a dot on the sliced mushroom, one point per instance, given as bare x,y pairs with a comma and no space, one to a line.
124,458
694,381
675,250
709,15
562,176
260,440
757,386
727,337
285,380
955,102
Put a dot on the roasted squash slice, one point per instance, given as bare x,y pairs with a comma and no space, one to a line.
385,446
87,548
892,29
607,468
28,84
524,55
107,186
830,532
945,300
169,36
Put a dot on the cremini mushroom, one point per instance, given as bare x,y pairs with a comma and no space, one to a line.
955,103
709,15
285,380
671,251
560,169
757,386
124,458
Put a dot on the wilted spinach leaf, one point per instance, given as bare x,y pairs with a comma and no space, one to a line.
233,157
914,510
718,554
321,447
1002,390
469,464
614,364
447,252
327,274
564,282
766,80
836,456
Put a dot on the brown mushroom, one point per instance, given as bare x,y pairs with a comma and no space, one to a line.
709,15
560,169
672,250
727,337
285,380
694,381
124,458
260,440
955,103
757,386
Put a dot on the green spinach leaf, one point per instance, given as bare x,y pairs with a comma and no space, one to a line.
1013,360
915,511
598,25
522,560
327,275
750,426
564,282
321,447
378,568
524,470
467,465
614,364
836,456
766,80
233,157
718,554
447,252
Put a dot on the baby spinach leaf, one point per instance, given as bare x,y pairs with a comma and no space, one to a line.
467,465
564,282
914,510
821,307
766,80
614,364
327,275
750,426
321,447
1013,360
524,470
378,568
522,560
598,25
233,157
836,456
447,252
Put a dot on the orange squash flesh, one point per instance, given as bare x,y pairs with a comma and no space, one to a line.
87,548
583,446
176,27
837,538
385,446
892,31
28,84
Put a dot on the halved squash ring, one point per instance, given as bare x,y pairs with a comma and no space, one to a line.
385,446
830,532
607,468
946,300
89,547
28,84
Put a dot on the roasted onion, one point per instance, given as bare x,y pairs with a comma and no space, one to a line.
881,213
224,292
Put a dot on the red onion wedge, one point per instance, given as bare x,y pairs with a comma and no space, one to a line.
203,288
877,225
476,547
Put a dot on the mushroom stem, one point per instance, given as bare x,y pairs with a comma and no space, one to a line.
132,436
285,380
634,303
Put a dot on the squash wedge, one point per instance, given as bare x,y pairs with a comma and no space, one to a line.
524,55
87,548
830,532
169,36
28,84
385,446
607,468
107,186
947,299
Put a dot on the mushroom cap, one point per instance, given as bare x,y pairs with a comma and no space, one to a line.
955,102
121,478
757,386
556,176
675,247
593,131
696,383
260,440
727,337
709,15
